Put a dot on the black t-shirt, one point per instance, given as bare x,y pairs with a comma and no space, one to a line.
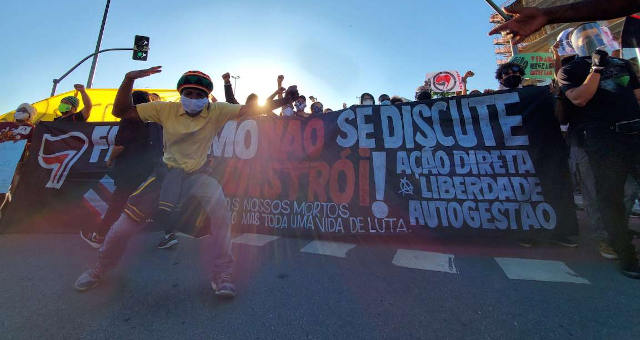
142,148
134,137
613,102
76,117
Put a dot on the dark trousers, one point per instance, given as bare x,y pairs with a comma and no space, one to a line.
126,184
613,157
116,205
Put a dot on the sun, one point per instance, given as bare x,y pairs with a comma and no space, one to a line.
257,76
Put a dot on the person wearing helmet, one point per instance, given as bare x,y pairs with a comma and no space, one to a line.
68,107
188,129
605,119
563,52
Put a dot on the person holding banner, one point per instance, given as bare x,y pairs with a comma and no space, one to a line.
605,93
510,75
188,129
14,132
367,99
132,161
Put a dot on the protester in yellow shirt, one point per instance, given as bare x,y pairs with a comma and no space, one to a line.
188,130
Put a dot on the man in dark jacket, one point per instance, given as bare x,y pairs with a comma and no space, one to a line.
606,118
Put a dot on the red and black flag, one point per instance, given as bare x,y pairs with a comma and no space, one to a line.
631,32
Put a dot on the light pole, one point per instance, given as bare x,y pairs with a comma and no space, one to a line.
95,56
58,80
235,79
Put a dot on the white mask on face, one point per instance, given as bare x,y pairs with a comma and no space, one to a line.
367,102
287,111
21,115
385,102
300,106
193,105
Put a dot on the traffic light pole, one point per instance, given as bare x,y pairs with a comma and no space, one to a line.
95,56
58,80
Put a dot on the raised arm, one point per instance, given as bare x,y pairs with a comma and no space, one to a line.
86,100
528,20
280,80
123,104
278,93
466,76
582,95
289,97
229,97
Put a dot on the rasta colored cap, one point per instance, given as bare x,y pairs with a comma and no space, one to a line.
195,80
71,100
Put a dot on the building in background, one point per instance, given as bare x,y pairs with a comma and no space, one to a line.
542,40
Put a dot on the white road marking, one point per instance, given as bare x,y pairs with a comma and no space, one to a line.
255,239
337,249
538,270
425,260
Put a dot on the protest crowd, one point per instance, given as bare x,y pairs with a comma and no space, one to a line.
597,95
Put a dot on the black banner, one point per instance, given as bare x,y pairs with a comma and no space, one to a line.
483,164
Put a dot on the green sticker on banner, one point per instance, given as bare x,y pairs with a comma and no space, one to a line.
536,65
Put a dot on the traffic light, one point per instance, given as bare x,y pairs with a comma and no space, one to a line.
140,48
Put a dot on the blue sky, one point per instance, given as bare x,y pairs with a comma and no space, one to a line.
334,50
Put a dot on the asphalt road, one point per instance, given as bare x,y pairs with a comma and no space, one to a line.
299,289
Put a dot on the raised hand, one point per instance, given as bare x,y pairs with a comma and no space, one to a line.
78,87
525,21
226,77
291,94
280,80
143,73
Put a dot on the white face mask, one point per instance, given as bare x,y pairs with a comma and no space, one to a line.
367,102
385,102
300,106
21,115
193,105
287,111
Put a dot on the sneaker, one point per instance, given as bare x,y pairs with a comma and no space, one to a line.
168,241
86,281
607,252
527,243
93,239
632,271
564,241
223,286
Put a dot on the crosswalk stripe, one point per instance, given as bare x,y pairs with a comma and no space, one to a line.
337,249
538,270
425,260
255,239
